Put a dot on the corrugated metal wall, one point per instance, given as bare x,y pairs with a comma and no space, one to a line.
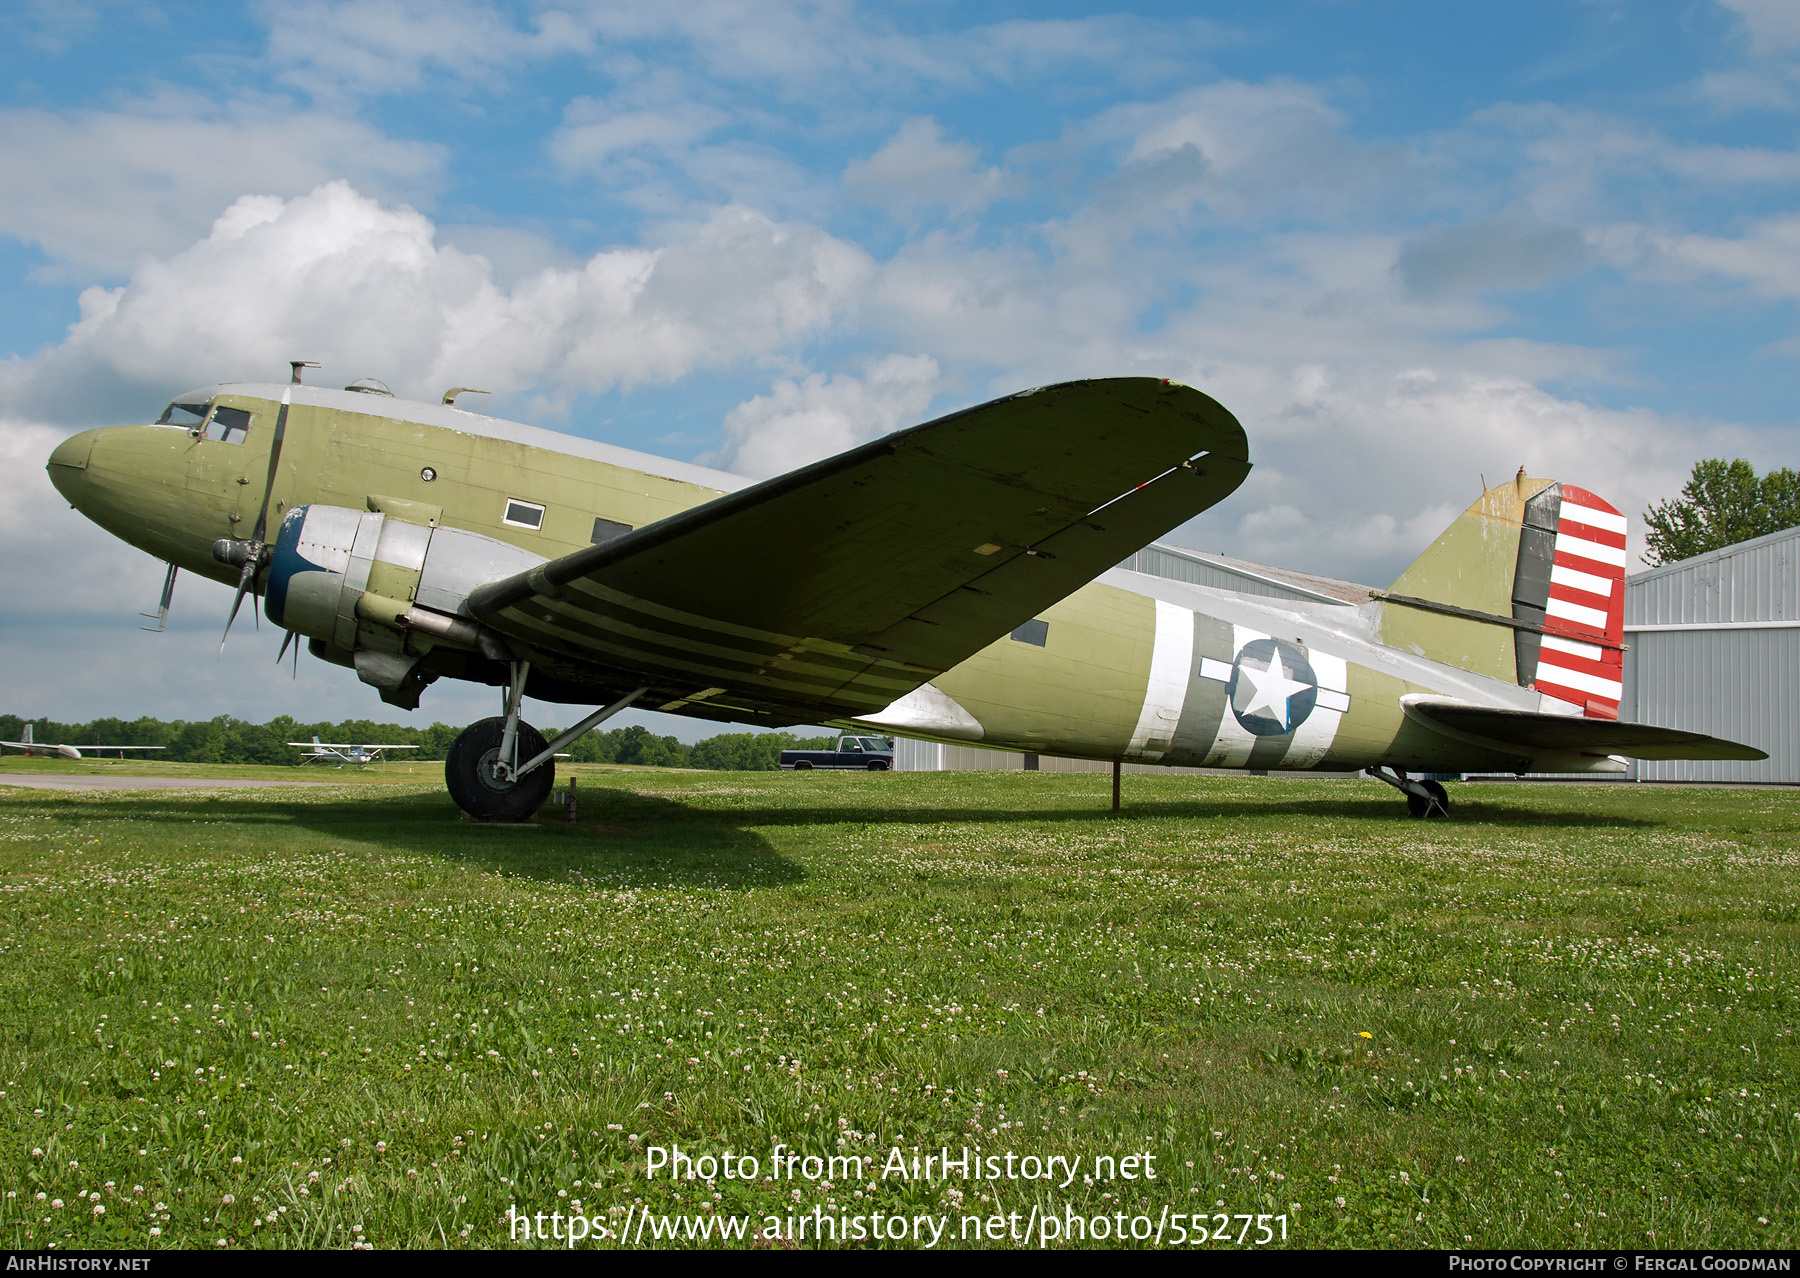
1753,581
1740,684
1729,663
917,756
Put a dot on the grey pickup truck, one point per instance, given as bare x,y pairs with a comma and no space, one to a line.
870,754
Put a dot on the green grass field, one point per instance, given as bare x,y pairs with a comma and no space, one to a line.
319,1016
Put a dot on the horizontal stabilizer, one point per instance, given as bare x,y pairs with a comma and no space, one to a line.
1536,733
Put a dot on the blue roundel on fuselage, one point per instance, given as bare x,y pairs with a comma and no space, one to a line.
284,563
1273,687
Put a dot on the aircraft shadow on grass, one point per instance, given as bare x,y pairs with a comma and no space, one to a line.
645,840
657,840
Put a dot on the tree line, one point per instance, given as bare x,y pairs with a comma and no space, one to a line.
228,740
1722,503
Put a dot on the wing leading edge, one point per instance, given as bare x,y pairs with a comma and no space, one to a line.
844,585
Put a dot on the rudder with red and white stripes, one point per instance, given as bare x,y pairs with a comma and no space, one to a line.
1569,595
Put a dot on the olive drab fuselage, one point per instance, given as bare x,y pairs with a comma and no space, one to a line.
1130,666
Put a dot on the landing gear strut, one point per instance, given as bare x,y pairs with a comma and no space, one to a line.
484,770
1424,799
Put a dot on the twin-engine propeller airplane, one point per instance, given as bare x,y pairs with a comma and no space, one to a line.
954,581
338,754
33,749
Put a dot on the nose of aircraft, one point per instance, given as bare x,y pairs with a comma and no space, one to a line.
69,464
128,479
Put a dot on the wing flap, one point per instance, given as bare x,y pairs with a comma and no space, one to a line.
1554,733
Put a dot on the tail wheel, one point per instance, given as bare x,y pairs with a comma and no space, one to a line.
469,773
1438,805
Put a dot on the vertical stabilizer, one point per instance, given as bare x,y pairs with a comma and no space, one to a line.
1528,585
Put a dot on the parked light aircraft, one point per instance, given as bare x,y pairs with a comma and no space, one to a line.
339,754
954,581
34,748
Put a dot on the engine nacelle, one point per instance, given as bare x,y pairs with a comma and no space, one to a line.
364,582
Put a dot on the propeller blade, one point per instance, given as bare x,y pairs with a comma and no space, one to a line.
245,579
284,647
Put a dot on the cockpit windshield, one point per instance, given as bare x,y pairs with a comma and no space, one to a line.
178,414
227,425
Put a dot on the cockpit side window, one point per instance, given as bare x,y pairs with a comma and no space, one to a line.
188,415
230,425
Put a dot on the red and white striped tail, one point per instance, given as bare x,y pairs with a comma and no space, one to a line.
1582,655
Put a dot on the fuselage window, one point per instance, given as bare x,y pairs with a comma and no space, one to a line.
607,529
523,514
188,415
228,425
1034,631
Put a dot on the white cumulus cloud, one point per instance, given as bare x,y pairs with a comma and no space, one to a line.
920,168
102,190
368,291
803,421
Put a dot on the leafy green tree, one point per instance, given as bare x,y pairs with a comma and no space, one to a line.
750,751
1721,504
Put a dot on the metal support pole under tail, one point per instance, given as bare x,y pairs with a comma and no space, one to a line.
162,612
509,738
1401,782
1117,768
565,738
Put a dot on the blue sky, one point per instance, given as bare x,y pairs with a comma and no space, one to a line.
1408,244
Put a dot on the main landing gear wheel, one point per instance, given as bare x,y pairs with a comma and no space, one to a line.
469,772
1438,805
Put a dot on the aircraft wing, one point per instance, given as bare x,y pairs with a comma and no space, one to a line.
1537,733
44,745
848,583
333,745
36,747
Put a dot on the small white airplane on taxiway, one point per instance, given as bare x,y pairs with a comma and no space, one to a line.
361,755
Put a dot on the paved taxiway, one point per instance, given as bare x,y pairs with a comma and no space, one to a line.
138,783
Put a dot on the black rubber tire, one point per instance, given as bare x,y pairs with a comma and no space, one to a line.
1435,808
877,765
474,787
803,766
